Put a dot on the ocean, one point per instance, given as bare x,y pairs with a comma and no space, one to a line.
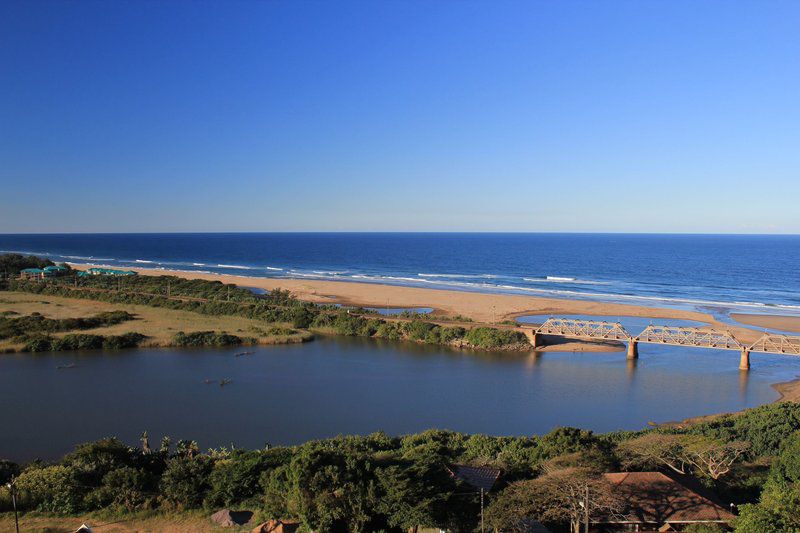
716,273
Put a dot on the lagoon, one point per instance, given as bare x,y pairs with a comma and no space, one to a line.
335,385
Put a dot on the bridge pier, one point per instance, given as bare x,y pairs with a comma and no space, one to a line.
744,360
633,349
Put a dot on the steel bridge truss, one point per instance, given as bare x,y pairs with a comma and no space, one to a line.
782,344
671,335
584,329
696,337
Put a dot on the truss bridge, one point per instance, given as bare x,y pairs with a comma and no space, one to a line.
670,335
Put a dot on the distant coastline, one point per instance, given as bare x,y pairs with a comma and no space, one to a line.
712,274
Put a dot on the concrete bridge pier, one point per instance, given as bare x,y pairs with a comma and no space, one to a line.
536,341
744,360
633,349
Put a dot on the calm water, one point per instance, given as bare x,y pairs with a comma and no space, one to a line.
289,394
753,273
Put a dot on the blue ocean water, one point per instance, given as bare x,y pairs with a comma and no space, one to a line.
755,273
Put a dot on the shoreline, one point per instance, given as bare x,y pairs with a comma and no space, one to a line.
488,308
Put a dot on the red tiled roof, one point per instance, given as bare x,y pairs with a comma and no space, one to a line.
653,497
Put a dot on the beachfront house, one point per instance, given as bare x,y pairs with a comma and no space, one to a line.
54,271
656,502
31,273
96,271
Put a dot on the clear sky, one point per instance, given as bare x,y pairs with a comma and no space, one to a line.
409,116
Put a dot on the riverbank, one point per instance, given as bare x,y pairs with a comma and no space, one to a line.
480,307
158,324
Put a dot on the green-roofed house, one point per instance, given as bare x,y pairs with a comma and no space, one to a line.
31,273
96,271
54,271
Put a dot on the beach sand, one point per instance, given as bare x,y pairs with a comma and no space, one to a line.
480,307
782,323
789,390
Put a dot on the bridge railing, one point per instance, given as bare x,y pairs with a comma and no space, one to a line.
697,337
584,329
780,344
672,335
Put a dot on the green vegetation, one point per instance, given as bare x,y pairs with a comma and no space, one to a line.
33,332
19,327
209,338
218,299
345,323
12,264
378,482
82,341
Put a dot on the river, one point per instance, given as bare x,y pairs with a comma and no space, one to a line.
289,394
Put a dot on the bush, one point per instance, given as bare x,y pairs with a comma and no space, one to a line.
52,489
185,481
206,338
490,338
82,341
237,479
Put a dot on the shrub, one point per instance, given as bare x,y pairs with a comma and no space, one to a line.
489,338
205,338
51,489
185,481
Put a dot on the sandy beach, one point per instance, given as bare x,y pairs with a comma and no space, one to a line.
783,323
480,307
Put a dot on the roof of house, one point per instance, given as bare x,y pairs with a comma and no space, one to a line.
480,477
653,497
115,271
55,267
32,270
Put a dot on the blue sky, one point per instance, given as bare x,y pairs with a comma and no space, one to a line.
408,116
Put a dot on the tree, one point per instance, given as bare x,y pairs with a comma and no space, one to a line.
185,481
563,440
786,468
558,496
654,450
330,489
414,494
125,487
777,510
709,457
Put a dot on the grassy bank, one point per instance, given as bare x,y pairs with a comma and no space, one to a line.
158,325
279,310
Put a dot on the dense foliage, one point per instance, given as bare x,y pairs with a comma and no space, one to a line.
12,264
377,482
208,338
216,298
12,327
83,341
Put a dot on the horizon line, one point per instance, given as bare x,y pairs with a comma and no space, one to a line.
399,232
